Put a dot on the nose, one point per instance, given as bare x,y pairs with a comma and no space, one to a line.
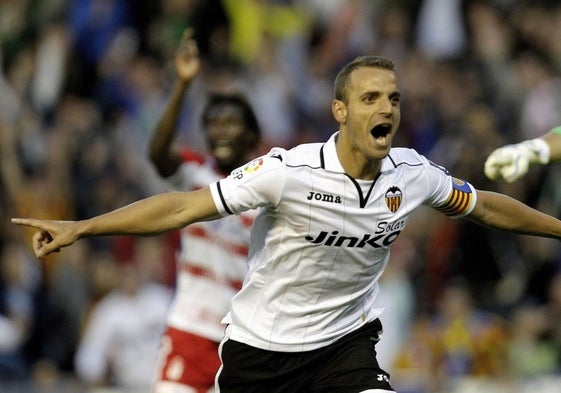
385,106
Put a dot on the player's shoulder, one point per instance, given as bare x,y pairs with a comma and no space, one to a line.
406,156
413,162
305,154
270,162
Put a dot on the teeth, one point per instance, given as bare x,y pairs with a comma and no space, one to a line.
381,140
222,151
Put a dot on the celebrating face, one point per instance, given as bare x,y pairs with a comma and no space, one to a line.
369,115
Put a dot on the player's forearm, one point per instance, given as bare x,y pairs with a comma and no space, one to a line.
153,215
502,212
160,151
553,139
165,128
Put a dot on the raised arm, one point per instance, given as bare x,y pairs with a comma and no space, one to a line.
511,162
165,158
150,216
499,211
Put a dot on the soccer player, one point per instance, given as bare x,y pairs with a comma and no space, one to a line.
511,162
212,262
329,213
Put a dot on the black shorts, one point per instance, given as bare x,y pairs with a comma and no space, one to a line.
347,366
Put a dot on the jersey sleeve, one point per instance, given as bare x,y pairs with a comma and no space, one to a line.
256,184
452,196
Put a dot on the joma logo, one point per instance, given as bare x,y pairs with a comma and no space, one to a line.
336,240
317,196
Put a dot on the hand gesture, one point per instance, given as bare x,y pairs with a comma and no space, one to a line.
511,162
187,61
51,235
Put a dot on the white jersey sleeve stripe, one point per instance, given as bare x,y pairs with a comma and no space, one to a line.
219,199
227,210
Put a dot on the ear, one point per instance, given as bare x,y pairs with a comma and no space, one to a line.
339,110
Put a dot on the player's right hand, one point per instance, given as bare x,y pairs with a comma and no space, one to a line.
51,235
511,162
187,61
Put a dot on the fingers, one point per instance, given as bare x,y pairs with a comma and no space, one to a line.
42,241
504,164
515,171
188,48
187,62
501,164
491,172
508,173
30,222
493,164
44,244
187,34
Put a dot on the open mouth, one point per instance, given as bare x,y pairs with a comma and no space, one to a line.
381,130
222,149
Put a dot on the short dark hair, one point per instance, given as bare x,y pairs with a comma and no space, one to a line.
215,99
342,78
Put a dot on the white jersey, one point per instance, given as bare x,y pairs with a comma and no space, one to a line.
322,239
213,258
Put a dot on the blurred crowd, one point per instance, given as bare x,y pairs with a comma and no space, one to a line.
83,83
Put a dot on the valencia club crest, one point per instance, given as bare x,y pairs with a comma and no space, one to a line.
393,198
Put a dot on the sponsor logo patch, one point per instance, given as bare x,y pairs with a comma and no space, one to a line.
254,165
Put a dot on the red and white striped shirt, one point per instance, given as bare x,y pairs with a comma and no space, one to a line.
212,261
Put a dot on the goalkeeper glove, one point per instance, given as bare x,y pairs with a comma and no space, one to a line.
511,162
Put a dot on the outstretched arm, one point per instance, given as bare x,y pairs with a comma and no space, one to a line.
511,162
150,216
187,65
502,212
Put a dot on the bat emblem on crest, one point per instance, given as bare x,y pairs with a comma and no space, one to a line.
393,198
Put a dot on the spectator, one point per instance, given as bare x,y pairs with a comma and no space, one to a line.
18,282
121,335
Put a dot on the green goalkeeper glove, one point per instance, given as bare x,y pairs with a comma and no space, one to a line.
511,162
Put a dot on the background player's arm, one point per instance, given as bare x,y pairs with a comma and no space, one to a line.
163,155
553,140
501,212
154,215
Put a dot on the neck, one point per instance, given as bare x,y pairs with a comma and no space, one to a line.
355,164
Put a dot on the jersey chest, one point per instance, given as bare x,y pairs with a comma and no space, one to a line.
335,210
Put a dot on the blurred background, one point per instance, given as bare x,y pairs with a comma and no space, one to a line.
83,83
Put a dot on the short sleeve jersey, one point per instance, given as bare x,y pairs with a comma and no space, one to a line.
322,239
